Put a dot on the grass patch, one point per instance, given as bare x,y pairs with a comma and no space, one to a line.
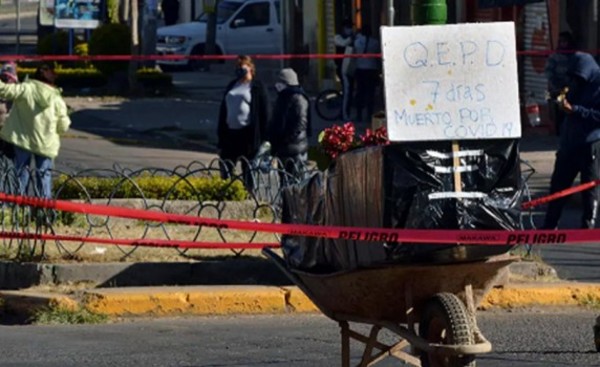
62,316
532,255
590,301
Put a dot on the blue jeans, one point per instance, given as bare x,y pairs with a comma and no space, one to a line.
43,172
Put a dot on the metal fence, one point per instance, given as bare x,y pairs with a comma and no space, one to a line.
263,181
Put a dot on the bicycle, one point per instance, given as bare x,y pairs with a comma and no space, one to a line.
328,104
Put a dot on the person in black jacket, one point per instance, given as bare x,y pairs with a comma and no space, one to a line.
243,119
290,126
579,148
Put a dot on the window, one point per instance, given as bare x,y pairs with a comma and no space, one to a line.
278,11
225,10
253,15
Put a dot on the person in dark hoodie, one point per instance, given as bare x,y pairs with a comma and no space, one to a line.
290,126
556,69
243,120
579,147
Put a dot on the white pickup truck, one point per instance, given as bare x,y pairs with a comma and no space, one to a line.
243,27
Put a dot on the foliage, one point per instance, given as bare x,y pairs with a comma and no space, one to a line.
337,139
71,77
153,78
110,39
61,315
112,9
589,301
58,44
317,155
148,72
54,44
151,187
90,77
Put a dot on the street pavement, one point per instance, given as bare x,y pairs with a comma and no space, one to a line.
520,338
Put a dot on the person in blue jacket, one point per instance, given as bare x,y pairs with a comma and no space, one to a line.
579,147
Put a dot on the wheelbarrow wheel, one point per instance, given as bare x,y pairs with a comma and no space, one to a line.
444,320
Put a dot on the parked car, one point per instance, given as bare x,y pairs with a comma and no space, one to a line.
243,27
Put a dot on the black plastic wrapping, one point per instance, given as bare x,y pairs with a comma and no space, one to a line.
405,186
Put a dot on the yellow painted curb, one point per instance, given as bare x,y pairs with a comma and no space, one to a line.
297,301
546,295
511,296
201,300
230,300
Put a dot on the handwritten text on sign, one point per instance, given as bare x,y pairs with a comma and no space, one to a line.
451,82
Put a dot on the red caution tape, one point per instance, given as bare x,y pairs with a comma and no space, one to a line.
20,58
156,57
560,194
139,242
466,237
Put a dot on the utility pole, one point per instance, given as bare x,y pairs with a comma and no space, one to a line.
135,44
210,7
429,12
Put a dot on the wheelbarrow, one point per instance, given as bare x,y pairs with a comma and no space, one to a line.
440,299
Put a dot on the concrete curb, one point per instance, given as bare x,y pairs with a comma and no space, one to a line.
237,300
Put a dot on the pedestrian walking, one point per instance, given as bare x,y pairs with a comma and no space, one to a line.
243,119
367,73
346,67
579,147
38,117
290,125
556,71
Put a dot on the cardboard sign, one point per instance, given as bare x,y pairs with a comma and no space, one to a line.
451,82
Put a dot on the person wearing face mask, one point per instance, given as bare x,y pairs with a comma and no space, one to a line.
579,147
38,117
290,126
243,119
344,42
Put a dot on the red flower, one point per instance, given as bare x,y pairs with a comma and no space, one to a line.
339,139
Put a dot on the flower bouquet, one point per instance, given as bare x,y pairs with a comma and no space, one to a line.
337,139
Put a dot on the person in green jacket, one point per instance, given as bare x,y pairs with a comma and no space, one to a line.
38,116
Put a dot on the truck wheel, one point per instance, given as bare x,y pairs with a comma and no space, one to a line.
195,64
445,321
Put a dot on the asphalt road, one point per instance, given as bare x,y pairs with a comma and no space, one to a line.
531,338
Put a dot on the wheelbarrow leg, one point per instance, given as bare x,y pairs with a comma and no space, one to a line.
345,330
471,310
368,353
